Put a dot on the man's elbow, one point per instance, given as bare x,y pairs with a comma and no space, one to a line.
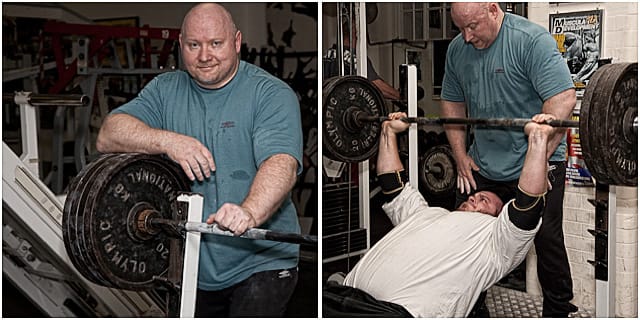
102,141
101,144
569,98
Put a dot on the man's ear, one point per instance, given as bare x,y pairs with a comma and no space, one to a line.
238,42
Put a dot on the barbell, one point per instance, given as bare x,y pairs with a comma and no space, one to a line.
121,218
354,109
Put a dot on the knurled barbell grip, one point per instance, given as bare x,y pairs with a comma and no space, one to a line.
252,233
491,122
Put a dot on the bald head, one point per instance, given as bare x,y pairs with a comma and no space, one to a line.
479,22
208,13
467,9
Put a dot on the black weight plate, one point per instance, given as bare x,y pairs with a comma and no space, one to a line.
75,197
607,110
88,254
437,171
585,121
342,139
622,158
126,262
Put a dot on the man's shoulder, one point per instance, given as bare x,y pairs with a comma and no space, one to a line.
173,78
174,74
457,44
257,77
522,26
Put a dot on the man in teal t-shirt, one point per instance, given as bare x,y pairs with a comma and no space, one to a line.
504,66
236,132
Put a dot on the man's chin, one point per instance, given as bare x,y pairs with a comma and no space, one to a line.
206,83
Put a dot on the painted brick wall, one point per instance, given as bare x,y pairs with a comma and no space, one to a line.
620,42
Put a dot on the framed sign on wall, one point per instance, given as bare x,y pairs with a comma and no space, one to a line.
579,39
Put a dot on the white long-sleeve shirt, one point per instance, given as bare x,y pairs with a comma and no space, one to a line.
435,263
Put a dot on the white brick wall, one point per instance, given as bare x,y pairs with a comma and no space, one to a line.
620,42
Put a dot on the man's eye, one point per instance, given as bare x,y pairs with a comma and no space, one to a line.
193,45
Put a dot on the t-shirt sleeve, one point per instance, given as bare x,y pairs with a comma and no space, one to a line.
451,84
548,71
146,107
511,244
406,204
278,127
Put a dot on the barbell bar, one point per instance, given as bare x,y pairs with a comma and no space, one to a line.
360,117
354,109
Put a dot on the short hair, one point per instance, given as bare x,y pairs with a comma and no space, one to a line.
503,192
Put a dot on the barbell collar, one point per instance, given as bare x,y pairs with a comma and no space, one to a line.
490,122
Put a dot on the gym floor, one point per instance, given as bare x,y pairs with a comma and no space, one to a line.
509,303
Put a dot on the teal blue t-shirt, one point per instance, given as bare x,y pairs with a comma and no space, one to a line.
243,123
510,79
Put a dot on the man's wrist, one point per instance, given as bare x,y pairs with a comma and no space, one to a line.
250,213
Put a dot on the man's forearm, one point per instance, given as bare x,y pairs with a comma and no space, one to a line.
561,106
274,180
456,134
526,210
533,179
388,156
124,133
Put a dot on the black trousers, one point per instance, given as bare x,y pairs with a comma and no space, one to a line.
263,295
554,272
340,301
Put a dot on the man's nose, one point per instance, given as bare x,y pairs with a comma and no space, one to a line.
467,36
203,54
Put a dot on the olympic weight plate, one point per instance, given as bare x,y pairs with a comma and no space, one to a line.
98,215
608,139
437,171
78,190
345,139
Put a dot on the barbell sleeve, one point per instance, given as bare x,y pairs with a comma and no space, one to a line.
491,122
40,99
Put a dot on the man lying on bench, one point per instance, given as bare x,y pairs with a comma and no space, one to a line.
435,263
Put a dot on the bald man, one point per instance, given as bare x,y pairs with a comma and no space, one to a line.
503,66
236,132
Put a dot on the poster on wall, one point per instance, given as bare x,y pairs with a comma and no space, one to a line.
579,39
